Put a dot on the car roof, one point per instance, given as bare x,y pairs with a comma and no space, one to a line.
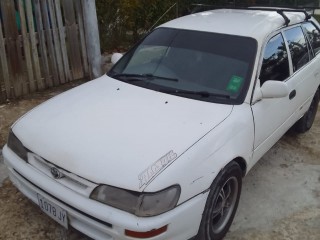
243,22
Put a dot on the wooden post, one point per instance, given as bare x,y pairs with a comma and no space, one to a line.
48,33
34,49
16,73
62,36
92,36
4,64
82,37
26,46
73,41
57,46
42,42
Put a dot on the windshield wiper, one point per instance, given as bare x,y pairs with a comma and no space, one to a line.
203,94
141,77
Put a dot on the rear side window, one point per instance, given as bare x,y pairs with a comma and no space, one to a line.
313,35
298,47
275,64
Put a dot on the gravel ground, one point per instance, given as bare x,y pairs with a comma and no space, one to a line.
280,198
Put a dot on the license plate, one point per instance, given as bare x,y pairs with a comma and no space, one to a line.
53,210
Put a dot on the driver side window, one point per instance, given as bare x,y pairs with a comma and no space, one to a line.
275,64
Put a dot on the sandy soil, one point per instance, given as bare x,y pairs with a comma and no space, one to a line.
280,199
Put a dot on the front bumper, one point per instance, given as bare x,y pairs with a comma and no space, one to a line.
98,220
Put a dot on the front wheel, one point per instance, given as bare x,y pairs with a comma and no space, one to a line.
221,204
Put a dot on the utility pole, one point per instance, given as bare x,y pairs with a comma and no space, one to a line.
92,37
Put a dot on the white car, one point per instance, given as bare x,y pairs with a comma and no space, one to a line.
157,148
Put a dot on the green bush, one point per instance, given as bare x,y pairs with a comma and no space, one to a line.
123,22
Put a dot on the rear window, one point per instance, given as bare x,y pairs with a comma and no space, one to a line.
298,47
313,36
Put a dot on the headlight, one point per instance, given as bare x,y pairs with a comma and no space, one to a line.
140,204
16,146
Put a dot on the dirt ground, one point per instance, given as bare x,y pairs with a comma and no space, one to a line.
280,197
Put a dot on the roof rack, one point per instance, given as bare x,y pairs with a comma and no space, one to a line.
279,10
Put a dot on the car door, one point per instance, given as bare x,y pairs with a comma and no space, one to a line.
305,69
285,58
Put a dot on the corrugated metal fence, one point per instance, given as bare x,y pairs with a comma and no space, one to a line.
42,44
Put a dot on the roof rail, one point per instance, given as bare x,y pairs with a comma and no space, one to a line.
279,10
286,19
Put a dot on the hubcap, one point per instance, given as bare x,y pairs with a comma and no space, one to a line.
223,206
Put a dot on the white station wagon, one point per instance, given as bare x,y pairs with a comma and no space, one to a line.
157,148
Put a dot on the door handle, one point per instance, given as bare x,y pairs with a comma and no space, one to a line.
292,94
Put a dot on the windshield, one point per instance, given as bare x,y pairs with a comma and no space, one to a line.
200,65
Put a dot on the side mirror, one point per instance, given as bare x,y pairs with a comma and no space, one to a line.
274,89
116,57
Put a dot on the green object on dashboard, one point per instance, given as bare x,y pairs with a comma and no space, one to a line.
234,84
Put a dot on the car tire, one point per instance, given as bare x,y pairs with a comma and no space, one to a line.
221,204
305,123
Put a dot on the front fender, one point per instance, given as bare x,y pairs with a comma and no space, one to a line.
196,169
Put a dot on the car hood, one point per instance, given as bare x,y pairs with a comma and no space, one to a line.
114,133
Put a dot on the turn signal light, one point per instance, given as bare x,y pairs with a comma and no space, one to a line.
149,234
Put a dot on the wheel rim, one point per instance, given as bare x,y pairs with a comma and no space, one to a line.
224,204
